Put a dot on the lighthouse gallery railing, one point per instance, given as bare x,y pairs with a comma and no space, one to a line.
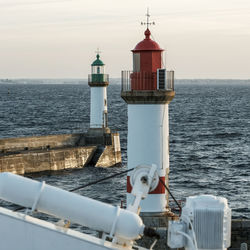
98,78
146,81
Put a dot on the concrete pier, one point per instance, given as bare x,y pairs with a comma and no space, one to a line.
57,152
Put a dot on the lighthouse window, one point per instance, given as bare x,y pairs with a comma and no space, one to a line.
97,69
136,62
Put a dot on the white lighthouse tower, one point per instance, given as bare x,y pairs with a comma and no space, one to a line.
98,82
108,150
148,90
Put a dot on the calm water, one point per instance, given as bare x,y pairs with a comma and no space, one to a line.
209,134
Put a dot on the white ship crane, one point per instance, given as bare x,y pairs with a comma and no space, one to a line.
120,225
205,222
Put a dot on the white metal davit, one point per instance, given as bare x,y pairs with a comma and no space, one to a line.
205,222
123,226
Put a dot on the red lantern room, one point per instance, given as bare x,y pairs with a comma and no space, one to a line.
149,73
147,58
147,55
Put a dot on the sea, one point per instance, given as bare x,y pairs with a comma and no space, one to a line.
209,135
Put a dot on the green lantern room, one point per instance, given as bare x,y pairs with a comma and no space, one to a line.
97,71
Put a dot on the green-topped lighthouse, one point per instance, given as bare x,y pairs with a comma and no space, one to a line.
108,151
97,71
98,82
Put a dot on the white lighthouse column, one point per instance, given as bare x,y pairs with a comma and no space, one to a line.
98,107
148,143
98,82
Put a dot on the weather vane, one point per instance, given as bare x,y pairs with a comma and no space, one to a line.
147,23
98,51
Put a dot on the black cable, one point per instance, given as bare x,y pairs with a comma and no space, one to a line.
170,194
100,180
89,184
109,177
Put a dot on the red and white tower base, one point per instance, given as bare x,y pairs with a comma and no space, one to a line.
148,90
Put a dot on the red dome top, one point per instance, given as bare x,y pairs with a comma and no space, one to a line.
147,43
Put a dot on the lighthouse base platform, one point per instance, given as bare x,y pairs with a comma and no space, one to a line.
58,152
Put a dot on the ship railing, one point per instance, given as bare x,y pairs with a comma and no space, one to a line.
147,81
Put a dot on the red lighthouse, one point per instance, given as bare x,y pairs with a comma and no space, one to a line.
147,58
148,90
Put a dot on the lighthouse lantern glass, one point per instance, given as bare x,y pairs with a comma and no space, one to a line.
136,62
97,69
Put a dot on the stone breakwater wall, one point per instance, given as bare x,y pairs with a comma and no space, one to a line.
37,142
57,152
111,154
51,160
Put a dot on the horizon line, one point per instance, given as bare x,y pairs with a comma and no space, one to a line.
86,79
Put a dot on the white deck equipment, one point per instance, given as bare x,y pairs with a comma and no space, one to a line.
20,231
205,224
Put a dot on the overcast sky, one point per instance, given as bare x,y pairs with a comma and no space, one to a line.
58,38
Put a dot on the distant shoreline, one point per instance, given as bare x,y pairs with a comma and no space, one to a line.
117,81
